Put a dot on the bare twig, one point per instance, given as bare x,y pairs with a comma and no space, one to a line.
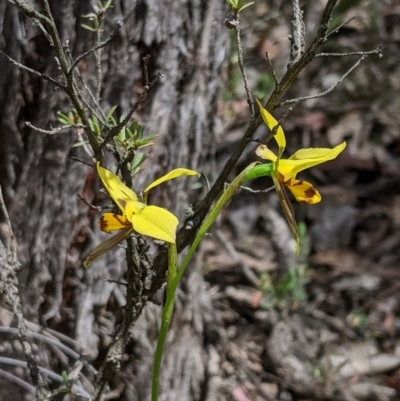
116,130
330,89
242,69
257,191
54,130
95,48
298,35
71,88
337,29
101,117
280,122
33,72
377,52
9,284
77,159
146,60
272,70
98,208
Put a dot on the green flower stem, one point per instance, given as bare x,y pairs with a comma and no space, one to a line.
174,275
165,320
260,170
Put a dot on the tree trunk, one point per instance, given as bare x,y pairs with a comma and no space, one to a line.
40,181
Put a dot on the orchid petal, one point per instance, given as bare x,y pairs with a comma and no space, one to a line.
318,153
178,172
106,245
304,191
110,222
288,211
298,161
155,222
272,123
265,153
118,191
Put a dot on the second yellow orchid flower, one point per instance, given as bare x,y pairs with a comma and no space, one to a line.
152,221
285,170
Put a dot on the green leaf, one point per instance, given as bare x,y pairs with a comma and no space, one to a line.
109,116
245,6
88,28
76,145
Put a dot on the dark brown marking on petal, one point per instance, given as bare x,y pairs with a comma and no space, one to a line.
122,202
297,183
103,224
310,192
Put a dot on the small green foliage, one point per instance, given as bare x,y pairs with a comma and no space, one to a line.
239,5
97,17
290,289
72,118
358,320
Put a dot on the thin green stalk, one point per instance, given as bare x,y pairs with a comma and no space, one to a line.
165,321
174,275
210,219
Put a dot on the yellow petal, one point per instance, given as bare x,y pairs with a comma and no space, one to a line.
107,245
111,222
318,153
178,172
133,207
120,193
304,191
306,158
156,222
265,153
271,123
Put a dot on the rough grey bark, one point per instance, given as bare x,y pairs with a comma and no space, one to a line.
54,231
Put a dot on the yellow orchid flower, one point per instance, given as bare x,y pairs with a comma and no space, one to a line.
285,171
152,221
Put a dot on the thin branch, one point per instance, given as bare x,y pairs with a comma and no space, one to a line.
377,51
250,101
116,130
102,117
93,49
298,35
146,60
54,130
98,208
280,123
257,191
329,90
71,88
77,159
272,70
336,30
33,72
97,55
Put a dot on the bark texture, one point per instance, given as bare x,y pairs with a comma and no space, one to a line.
40,181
